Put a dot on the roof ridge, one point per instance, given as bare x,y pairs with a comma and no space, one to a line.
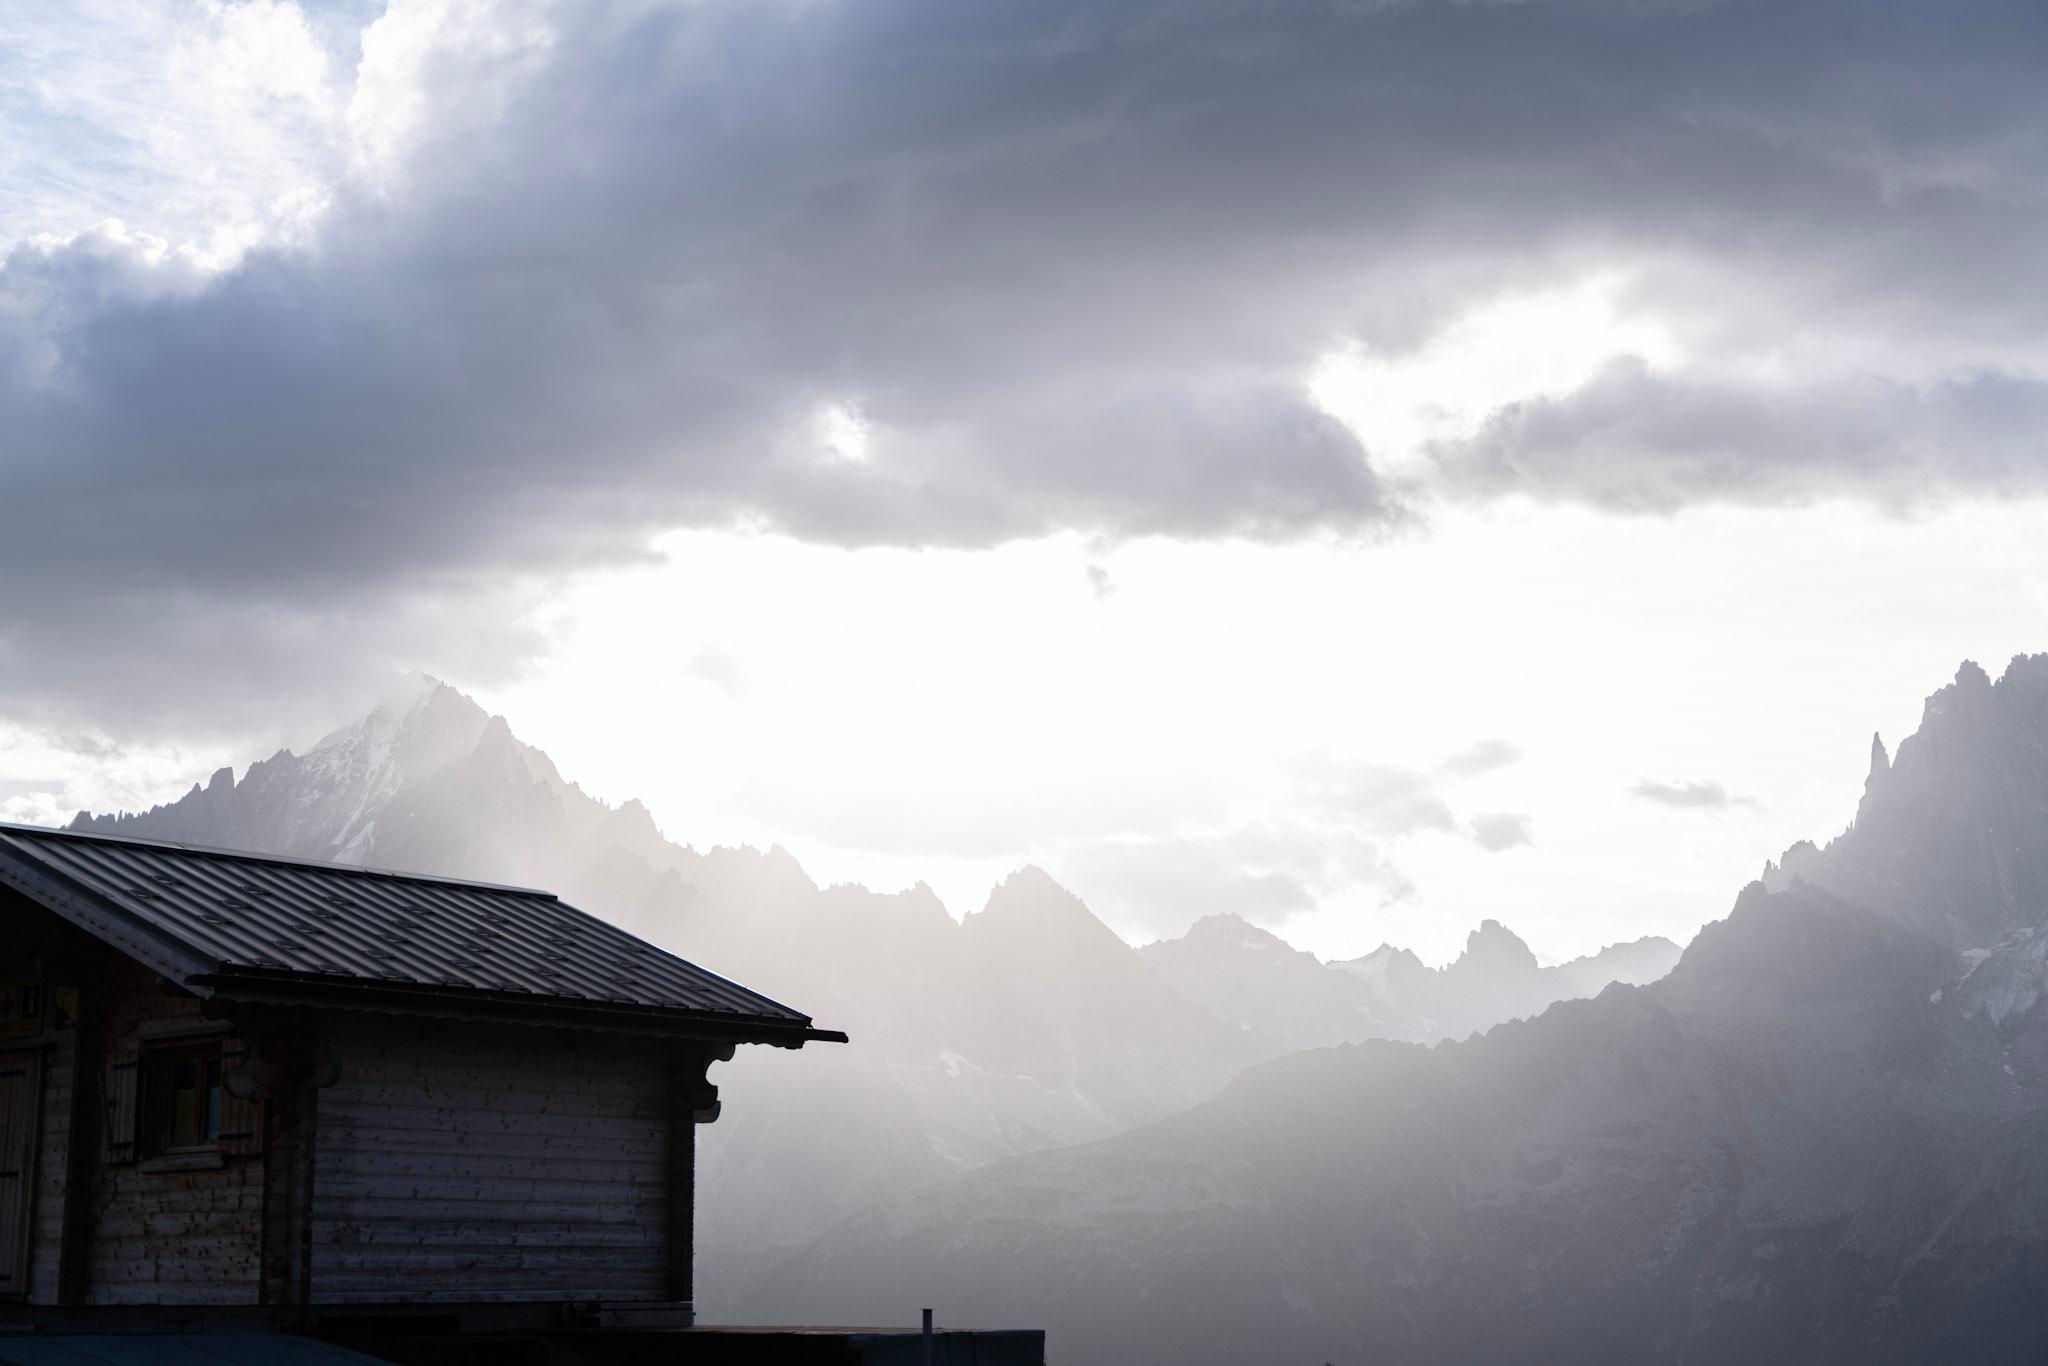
284,860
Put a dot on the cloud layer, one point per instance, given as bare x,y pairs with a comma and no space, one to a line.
1697,794
578,274
1329,830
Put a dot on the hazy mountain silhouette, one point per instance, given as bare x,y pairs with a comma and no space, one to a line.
1819,1139
1029,1025
1254,977
431,782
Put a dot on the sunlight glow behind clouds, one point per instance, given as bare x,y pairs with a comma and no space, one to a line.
843,431
895,716
1545,343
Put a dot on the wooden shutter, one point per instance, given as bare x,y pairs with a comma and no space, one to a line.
122,1093
241,1117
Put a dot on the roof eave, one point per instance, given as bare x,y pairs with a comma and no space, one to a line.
258,987
103,919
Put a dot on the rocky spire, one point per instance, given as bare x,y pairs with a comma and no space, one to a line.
1880,767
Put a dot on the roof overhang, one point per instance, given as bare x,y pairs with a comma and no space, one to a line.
249,987
104,920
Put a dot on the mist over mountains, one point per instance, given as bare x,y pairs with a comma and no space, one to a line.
1025,1027
1818,1139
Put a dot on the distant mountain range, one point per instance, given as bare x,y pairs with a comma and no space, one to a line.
1255,978
1820,1139
1025,1027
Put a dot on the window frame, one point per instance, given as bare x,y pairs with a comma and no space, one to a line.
158,1107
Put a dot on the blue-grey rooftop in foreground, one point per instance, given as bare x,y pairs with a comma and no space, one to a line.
183,1349
222,921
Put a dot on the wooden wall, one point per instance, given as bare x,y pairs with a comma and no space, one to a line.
431,1160
192,1237
467,1163
117,1233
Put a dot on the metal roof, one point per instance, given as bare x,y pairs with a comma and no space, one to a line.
224,922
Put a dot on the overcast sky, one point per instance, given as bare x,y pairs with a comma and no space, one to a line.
1365,465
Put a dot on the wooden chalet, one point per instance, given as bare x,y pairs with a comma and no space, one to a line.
266,1091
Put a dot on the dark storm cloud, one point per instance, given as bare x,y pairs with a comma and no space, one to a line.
1072,262
1693,795
1632,440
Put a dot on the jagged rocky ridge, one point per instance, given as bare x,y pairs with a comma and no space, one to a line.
1820,1139
1252,976
1027,1026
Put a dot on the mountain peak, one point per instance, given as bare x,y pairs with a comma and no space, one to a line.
1880,767
1032,891
633,817
1230,927
1945,832
1031,877
1494,941
920,895
1029,902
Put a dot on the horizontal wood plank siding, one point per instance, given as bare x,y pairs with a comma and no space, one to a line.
169,1237
473,1164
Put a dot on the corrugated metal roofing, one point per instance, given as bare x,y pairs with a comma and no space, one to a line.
204,914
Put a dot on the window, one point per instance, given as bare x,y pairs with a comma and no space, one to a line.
181,1099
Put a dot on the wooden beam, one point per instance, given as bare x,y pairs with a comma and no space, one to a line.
88,967
693,1100
285,1068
